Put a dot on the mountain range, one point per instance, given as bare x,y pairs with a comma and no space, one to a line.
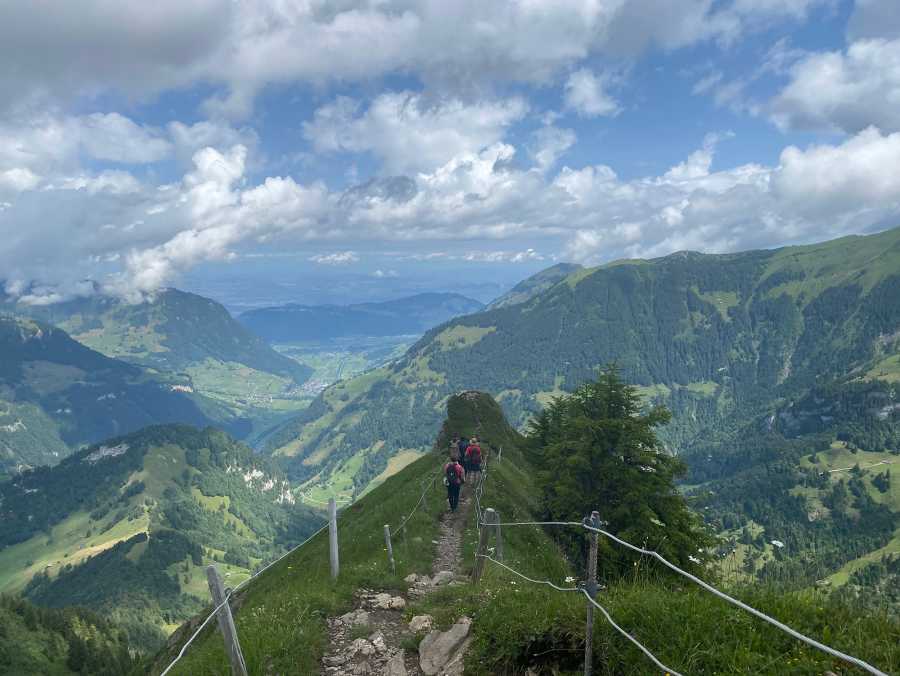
57,395
412,315
762,346
127,527
192,342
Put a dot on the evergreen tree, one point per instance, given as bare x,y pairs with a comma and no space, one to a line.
597,449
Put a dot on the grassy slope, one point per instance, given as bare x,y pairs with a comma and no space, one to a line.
281,617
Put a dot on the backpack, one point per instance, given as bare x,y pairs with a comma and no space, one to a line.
451,477
463,445
474,454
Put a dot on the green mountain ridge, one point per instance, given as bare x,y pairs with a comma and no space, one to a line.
412,315
57,394
194,341
48,642
532,286
126,527
519,627
725,341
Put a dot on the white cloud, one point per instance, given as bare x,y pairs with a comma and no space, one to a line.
585,94
845,178
408,133
140,49
61,235
385,274
549,144
337,258
18,179
845,91
502,256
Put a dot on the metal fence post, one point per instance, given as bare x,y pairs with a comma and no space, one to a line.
483,534
591,589
333,538
226,622
498,536
390,549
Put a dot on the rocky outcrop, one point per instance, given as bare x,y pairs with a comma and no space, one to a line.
441,651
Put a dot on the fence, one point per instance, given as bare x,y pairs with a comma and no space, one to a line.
221,597
488,522
591,526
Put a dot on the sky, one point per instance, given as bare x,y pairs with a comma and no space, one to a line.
263,150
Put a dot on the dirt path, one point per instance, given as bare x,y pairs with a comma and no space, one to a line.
370,638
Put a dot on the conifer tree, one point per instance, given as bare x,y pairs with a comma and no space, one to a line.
597,449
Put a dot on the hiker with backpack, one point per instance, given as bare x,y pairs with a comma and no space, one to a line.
473,458
461,445
454,478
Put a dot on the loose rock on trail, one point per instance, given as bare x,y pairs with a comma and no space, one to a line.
370,638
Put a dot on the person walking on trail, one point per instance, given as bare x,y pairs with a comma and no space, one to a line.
473,458
461,447
454,478
454,447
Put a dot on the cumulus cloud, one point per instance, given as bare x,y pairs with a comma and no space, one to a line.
408,133
336,258
140,49
549,144
590,213
585,93
846,91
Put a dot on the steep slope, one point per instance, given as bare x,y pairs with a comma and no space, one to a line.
56,394
404,316
40,641
125,527
516,627
720,339
531,287
194,337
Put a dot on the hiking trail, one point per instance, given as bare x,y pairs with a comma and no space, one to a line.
370,639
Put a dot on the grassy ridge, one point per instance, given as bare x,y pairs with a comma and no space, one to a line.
281,618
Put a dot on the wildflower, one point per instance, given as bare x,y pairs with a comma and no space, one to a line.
694,559
570,579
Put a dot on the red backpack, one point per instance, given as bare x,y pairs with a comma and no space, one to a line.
452,475
474,454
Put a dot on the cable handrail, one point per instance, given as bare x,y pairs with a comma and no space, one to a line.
740,604
525,577
663,667
230,593
428,486
667,670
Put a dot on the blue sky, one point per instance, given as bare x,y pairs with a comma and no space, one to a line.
352,150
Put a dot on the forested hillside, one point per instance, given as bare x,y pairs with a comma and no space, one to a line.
126,527
42,642
191,339
56,395
737,345
518,627
404,316
532,286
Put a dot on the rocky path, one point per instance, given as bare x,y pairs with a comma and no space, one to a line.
375,636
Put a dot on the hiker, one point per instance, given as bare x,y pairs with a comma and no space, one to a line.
461,447
473,458
454,447
454,479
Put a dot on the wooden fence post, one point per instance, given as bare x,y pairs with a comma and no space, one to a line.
333,538
483,534
226,622
591,588
390,549
498,536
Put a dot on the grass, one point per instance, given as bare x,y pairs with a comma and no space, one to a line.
281,621
517,625
458,337
65,544
722,300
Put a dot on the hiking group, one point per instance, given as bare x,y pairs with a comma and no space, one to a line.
457,473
